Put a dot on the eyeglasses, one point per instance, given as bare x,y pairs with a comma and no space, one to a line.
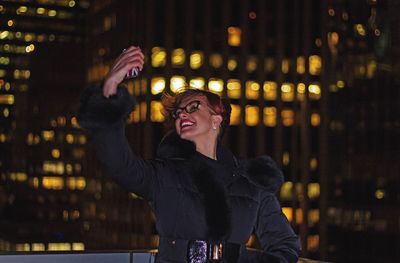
189,108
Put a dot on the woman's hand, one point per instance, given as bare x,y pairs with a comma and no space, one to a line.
130,58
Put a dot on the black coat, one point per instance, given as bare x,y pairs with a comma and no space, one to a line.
193,196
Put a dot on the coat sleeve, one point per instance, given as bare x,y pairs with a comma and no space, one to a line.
105,118
274,232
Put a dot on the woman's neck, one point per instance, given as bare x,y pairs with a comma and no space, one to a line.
208,149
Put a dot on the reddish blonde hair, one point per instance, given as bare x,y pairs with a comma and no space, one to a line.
219,105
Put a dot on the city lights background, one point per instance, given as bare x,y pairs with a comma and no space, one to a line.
313,83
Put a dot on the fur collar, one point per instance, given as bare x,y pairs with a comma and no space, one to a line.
261,171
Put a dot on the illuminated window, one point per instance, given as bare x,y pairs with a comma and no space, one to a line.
157,85
38,247
178,57
315,65
251,65
53,183
82,139
53,13
58,246
252,89
379,194
270,116
61,121
69,138
287,117
301,89
135,115
7,99
177,83
299,216
35,182
285,65
22,247
48,135
156,111
234,35
313,164
301,65
55,153
143,111
21,10
252,115
235,115
68,168
314,91
78,246
313,190
287,92
371,69
288,212
232,63
71,3
270,89
269,65
40,11
285,158
216,60
360,29
286,191
313,243
197,83
158,57
196,59
78,168
76,183
30,48
315,119
233,88
216,85
4,60
54,167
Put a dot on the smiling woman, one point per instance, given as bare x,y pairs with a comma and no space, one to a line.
207,202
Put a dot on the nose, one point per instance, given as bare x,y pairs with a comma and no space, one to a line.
182,114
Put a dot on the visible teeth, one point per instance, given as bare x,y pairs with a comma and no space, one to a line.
186,123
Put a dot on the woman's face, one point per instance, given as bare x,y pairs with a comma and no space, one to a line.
197,122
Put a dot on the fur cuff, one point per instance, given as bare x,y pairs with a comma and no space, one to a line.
263,172
98,112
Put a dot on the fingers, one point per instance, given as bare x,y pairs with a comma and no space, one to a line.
129,58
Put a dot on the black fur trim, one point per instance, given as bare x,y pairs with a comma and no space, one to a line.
172,147
98,112
263,172
218,214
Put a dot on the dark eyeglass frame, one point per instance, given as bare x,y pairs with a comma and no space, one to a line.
191,107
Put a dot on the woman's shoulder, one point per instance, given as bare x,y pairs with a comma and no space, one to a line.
262,172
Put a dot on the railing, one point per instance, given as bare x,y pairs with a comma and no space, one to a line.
90,257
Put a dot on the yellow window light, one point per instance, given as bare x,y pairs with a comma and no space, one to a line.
177,83
315,65
288,212
286,191
78,246
52,13
235,114
252,115
158,57
216,85
48,135
143,111
55,153
301,90
234,36
157,85
38,247
69,138
301,65
360,29
216,60
233,88
285,66
156,112
58,246
232,63
40,11
7,99
196,59
313,164
251,65
197,83
287,117
71,3
270,90
178,57
314,91
285,158
287,91
270,116
313,190
252,89
53,183
315,119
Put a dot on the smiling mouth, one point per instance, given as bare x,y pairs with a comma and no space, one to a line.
186,124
